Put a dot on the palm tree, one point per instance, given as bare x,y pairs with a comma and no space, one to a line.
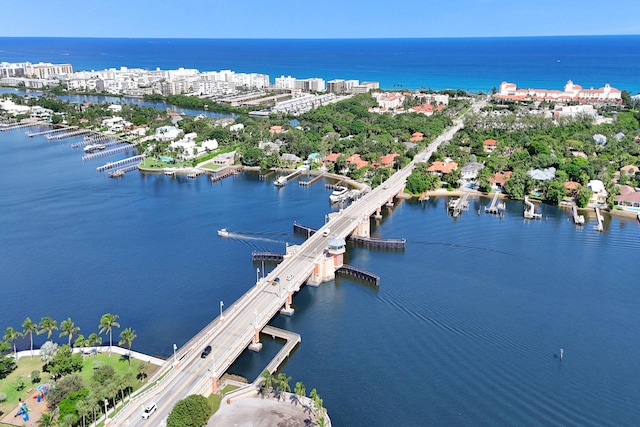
28,327
108,321
47,324
83,409
93,339
283,382
299,389
126,337
268,380
68,328
10,336
81,341
46,420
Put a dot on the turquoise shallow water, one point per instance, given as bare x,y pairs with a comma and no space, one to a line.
462,331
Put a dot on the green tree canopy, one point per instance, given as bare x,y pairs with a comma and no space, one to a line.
192,411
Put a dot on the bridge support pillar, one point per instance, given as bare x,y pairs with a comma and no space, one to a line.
363,229
378,214
287,305
390,202
256,345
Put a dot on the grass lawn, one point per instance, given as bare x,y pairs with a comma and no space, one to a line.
26,365
215,399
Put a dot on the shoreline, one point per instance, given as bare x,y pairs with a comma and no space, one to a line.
474,193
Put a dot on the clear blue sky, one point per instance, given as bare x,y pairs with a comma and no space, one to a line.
317,19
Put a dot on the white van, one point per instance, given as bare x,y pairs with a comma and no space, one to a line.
326,232
148,410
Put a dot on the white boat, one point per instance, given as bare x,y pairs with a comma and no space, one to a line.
93,147
338,194
223,232
281,181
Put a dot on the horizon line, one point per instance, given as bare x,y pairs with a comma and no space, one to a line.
321,38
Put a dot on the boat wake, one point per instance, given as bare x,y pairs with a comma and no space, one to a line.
243,236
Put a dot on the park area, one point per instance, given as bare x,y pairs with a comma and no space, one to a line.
29,385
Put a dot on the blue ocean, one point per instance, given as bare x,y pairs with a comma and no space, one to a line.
468,322
475,64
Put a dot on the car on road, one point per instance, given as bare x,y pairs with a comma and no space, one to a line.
290,276
148,410
206,351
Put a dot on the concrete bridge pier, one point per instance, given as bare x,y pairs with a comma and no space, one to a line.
363,229
287,310
256,345
378,214
390,202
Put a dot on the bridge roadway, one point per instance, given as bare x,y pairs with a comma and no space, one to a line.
230,336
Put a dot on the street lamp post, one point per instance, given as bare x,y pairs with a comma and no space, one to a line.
257,275
221,316
175,347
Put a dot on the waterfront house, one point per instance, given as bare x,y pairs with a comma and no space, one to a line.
572,188
442,168
599,196
542,174
225,159
489,145
167,133
290,158
470,171
355,160
628,199
499,179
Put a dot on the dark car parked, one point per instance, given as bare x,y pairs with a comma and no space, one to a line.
206,351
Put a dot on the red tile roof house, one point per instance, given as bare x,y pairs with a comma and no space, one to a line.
275,129
628,199
442,168
388,159
417,137
489,145
498,180
355,160
572,187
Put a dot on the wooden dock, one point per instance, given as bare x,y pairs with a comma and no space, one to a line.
310,182
577,219
600,226
225,174
496,207
530,210
456,206
266,256
51,131
359,273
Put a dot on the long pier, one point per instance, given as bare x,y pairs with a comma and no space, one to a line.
600,226
104,153
69,134
20,126
120,163
51,131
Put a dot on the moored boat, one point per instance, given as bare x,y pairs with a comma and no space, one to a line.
338,194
